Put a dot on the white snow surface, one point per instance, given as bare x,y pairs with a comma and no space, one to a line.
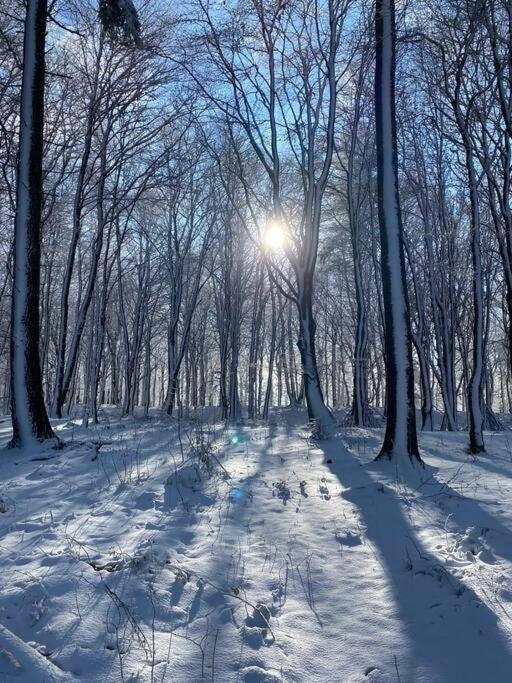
253,558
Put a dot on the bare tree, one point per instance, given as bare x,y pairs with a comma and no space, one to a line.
300,76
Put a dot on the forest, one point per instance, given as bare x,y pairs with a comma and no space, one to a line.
256,341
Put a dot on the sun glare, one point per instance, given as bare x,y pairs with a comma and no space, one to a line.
274,237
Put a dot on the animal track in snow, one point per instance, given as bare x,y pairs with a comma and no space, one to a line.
324,490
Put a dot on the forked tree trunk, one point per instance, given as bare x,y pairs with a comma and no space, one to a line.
400,438
360,413
317,410
29,417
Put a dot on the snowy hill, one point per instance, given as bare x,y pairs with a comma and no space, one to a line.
148,550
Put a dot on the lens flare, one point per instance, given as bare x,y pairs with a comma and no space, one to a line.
274,237
236,495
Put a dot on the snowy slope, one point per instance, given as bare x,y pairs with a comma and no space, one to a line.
244,554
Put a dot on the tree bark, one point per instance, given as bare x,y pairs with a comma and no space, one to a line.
317,410
400,437
29,417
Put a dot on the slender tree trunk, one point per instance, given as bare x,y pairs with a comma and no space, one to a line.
258,312
427,418
78,202
359,415
360,410
97,246
317,410
146,390
442,297
273,335
475,388
234,334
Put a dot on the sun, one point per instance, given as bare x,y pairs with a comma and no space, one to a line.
274,237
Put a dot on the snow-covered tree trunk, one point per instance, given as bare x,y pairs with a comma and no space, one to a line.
272,355
356,188
421,342
233,324
176,351
259,301
114,374
476,381
29,417
317,410
81,319
427,417
360,411
294,391
223,369
442,296
498,22
400,437
235,407
105,291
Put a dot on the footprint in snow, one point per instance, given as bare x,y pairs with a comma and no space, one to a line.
256,674
373,675
146,501
470,546
256,629
282,491
324,491
349,538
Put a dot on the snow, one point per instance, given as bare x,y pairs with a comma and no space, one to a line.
250,553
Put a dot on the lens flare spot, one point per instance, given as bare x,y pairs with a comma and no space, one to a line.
236,495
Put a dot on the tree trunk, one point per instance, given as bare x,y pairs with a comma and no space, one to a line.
60,396
29,417
317,410
475,388
427,417
400,437
360,410
273,335
78,203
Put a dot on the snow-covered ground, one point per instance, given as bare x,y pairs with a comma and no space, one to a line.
249,553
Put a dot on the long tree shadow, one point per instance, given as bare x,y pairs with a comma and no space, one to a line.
453,635
463,511
497,445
